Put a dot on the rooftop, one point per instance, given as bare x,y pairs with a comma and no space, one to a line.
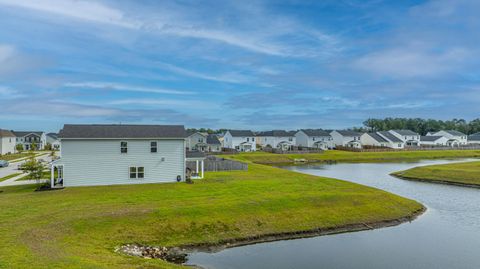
405,132
315,132
121,131
241,133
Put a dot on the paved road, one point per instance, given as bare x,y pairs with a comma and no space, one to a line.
12,169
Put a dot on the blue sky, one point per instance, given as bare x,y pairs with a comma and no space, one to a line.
236,64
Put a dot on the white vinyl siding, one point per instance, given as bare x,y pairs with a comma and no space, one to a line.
99,162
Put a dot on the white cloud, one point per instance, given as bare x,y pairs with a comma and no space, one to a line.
411,62
165,102
123,87
231,78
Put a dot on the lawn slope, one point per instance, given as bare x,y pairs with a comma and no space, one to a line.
464,174
80,227
348,156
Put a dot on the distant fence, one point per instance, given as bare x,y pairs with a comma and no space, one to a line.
421,148
213,164
292,150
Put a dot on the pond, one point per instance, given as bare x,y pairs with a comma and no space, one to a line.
446,236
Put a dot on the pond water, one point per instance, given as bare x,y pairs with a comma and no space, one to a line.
446,236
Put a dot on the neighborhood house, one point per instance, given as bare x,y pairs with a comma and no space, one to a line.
277,139
409,138
314,138
381,139
433,140
7,142
455,138
28,139
203,142
240,140
119,154
346,138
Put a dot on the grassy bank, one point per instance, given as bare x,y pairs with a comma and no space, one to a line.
79,227
13,157
467,174
347,156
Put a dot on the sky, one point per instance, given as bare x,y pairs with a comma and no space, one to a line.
256,65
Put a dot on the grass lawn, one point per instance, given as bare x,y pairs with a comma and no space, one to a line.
46,175
9,176
79,227
456,173
11,157
347,156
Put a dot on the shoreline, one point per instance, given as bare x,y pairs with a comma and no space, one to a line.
434,181
272,237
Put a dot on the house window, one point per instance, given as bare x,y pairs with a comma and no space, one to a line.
399,145
248,139
123,147
200,140
153,147
137,172
313,138
253,139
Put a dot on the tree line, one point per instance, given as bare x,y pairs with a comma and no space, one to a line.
421,126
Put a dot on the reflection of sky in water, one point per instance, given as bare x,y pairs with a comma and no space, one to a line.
446,236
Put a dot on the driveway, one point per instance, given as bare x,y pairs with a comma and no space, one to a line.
12,169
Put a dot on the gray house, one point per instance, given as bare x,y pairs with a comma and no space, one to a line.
119,154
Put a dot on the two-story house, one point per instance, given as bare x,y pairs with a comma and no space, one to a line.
278,139
455,138
381,139
29,140
7,142
120,154
346,138
410,138
52,139
240,140
314,138
203,142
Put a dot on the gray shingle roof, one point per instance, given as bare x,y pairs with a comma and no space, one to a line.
241,133
377,138
276,133
405,132
121,131
390,137
456,133
6,133
195,154
24,133
348,133
474,137
315,132
213,140
430,138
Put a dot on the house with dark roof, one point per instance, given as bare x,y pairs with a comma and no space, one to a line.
455,138
433,140
474,139
314,138
346,138
203,142
278,139
381,139
101,154
35,140
240,140
410,138
7,142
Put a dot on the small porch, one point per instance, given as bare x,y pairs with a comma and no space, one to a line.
246,146
285,146
354,144
203,147
320,145
195,168
56,176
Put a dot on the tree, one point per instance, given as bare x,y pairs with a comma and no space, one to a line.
34,168
33,146
19,147
48,146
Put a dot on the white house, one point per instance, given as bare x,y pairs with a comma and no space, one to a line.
455,138
410,138
240,140
203,142
433,140
7,142
120,154
474,139
29,138
381,139
52,139
314,138
278,139
346,138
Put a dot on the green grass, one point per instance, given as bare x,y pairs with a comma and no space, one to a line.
347,156
12,157
457,173
46,175
9,176
79,227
